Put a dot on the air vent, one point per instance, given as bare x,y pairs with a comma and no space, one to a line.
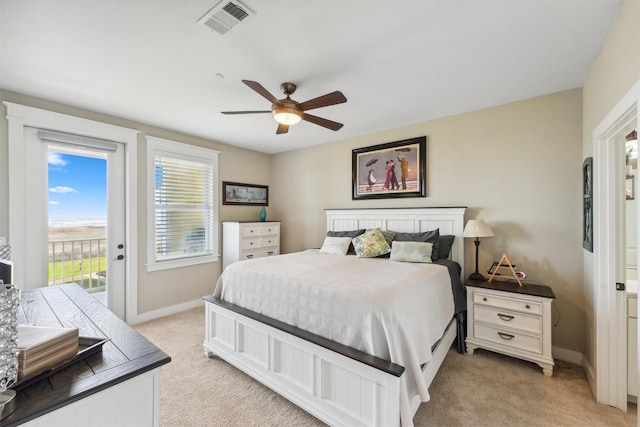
225,15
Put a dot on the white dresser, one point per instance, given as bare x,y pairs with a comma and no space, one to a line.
247,240
512,320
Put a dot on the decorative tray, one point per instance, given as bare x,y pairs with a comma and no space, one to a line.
86,347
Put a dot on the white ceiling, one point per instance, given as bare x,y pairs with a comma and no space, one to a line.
397,62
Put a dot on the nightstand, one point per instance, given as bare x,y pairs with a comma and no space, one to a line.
512,320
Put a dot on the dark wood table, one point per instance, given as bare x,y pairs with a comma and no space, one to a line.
127,354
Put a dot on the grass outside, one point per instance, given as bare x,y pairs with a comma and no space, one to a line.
77,271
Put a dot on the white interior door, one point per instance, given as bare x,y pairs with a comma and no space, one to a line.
609,251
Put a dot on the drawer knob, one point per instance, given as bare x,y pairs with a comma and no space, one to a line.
250,256
270,253
505,317
528,306
251,243
507,337
484,299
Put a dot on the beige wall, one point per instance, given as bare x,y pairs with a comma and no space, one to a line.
612,75
517,166
161,289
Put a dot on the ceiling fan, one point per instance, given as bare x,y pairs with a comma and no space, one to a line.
288,112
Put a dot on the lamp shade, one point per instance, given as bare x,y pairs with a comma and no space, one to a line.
477,228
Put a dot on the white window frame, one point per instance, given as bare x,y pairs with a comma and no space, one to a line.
181,150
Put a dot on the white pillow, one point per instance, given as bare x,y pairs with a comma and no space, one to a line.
411,251
335,245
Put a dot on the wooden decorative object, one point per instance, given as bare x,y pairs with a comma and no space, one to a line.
505,262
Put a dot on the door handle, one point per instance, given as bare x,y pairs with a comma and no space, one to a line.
620,286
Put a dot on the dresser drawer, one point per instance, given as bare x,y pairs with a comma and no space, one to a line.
508,319
250,243
267,241
260,230
269,229
250,230
514,304
508,338
260,253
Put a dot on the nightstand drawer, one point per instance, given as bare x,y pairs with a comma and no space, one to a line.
508,338
508,319
514,304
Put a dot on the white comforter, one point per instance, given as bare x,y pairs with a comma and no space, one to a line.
392,310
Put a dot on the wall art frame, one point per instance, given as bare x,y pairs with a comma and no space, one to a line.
236,193
391,170
587,204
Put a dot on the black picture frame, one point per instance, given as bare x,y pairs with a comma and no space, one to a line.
409,167
587,204
236,193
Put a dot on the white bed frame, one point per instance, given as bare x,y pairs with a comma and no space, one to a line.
340,387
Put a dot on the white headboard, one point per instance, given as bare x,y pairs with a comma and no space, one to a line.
406,220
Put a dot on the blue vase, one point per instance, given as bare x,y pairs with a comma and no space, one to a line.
263,214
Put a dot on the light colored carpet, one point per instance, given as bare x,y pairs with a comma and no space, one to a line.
485,389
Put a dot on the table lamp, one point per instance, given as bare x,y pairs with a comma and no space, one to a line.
477,228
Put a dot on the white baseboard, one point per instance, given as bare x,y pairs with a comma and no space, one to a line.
579,359
591,375
570,356
166,311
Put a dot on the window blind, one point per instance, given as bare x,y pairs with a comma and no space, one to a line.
184,203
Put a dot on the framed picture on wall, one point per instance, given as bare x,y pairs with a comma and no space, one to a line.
235,193
391,170
587,201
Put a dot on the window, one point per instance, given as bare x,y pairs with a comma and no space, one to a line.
182,206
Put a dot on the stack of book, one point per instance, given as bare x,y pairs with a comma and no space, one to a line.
43,348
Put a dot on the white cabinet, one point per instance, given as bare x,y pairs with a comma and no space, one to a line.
247,240
512,320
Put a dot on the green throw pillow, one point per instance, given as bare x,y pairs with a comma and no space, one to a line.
371,244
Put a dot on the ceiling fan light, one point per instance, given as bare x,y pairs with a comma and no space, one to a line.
287,115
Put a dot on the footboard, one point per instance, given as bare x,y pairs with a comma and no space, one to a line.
335,383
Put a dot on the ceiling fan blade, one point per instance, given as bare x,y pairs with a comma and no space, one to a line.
262,91
332,98
282,128
246,112
329,124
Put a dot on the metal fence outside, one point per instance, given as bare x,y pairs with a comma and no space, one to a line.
81,261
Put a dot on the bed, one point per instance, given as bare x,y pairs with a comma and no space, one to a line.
339,377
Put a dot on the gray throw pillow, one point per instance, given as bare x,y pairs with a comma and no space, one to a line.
445,244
